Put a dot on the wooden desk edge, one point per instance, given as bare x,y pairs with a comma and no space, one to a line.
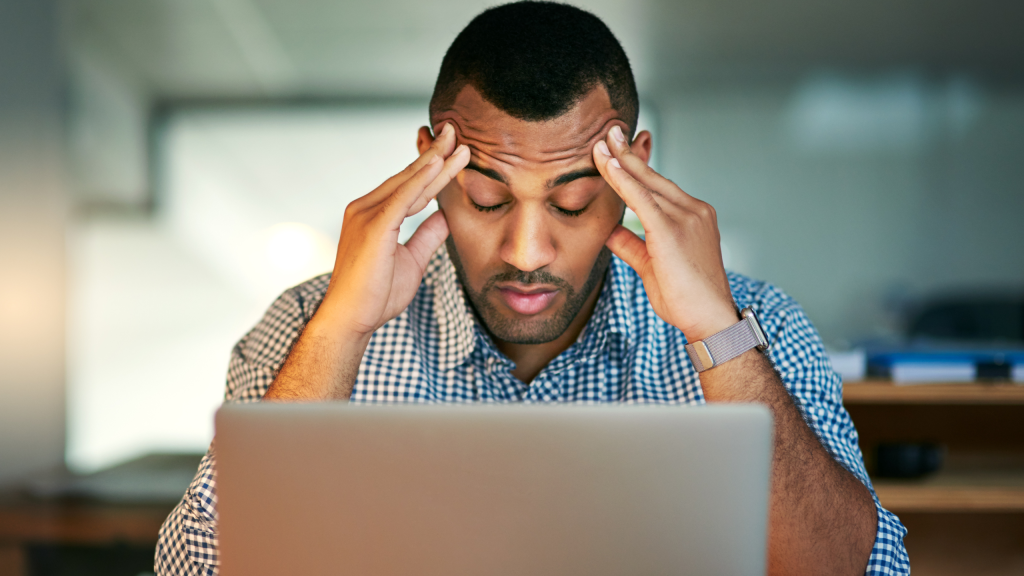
886,392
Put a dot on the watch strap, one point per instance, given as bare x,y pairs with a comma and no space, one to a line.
723,346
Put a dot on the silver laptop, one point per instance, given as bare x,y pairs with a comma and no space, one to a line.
492,490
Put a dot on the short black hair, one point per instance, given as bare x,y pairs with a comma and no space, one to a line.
535,61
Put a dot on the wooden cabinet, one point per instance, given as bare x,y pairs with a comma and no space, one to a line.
967,518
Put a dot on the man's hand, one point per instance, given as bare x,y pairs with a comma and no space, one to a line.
374,277
680,262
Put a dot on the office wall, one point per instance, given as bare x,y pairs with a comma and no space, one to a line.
32,213
889,189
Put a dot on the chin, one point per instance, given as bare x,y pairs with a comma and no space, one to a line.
537,329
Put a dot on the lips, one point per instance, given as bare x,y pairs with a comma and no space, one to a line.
527,303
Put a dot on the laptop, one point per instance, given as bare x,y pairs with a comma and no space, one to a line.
514,490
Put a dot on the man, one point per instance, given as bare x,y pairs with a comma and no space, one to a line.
511,293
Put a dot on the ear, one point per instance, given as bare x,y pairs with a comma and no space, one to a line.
641,146
424,139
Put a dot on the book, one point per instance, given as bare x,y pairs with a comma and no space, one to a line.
921,364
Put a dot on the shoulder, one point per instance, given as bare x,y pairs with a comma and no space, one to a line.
796,347
780,314
770,302
270,340
305,298
794,340
772,305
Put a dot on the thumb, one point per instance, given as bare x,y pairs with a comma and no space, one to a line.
629,247
427,238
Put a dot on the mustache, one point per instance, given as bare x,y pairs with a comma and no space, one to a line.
534,277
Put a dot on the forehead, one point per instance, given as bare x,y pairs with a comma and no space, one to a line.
495,135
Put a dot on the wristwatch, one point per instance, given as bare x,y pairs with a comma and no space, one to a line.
719,348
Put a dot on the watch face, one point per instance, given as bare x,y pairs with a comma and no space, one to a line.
762,338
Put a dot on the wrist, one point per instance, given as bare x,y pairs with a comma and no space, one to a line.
337,329
712,324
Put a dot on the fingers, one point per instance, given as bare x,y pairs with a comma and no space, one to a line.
638,197
639,170
394,208
629,247
442,147
452,166
428,238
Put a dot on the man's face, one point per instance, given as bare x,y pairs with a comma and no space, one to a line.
530,215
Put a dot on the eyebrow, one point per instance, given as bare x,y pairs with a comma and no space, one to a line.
563,179
574,175
492,174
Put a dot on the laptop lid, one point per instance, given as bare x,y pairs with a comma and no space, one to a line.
497,490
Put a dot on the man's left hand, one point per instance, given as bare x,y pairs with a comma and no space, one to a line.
680,262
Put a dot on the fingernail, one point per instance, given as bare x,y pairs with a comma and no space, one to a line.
460,148
434,159
447,129
618,135
603,148
615,162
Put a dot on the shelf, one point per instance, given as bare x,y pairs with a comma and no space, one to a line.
908,498
886,392
955,491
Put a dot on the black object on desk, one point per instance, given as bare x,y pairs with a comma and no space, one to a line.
905,460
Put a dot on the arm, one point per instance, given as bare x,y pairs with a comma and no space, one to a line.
821,518
374,277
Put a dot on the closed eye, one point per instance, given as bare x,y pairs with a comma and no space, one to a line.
571,213
487,208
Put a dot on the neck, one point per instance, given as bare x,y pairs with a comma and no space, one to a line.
530,359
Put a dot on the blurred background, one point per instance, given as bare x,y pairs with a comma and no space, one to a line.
168,167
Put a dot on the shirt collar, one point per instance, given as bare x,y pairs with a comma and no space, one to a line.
458,330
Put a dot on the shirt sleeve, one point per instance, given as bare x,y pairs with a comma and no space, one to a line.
803,364
187,543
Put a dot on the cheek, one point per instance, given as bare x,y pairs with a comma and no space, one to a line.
598,222
474,239
580,245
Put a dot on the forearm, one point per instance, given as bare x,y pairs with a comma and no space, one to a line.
321,366
822,519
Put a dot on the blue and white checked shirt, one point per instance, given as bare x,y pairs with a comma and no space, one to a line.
435,351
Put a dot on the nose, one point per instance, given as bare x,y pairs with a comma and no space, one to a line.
527,243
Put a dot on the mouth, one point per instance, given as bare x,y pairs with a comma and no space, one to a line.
528,301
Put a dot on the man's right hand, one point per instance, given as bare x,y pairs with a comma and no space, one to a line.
374,278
